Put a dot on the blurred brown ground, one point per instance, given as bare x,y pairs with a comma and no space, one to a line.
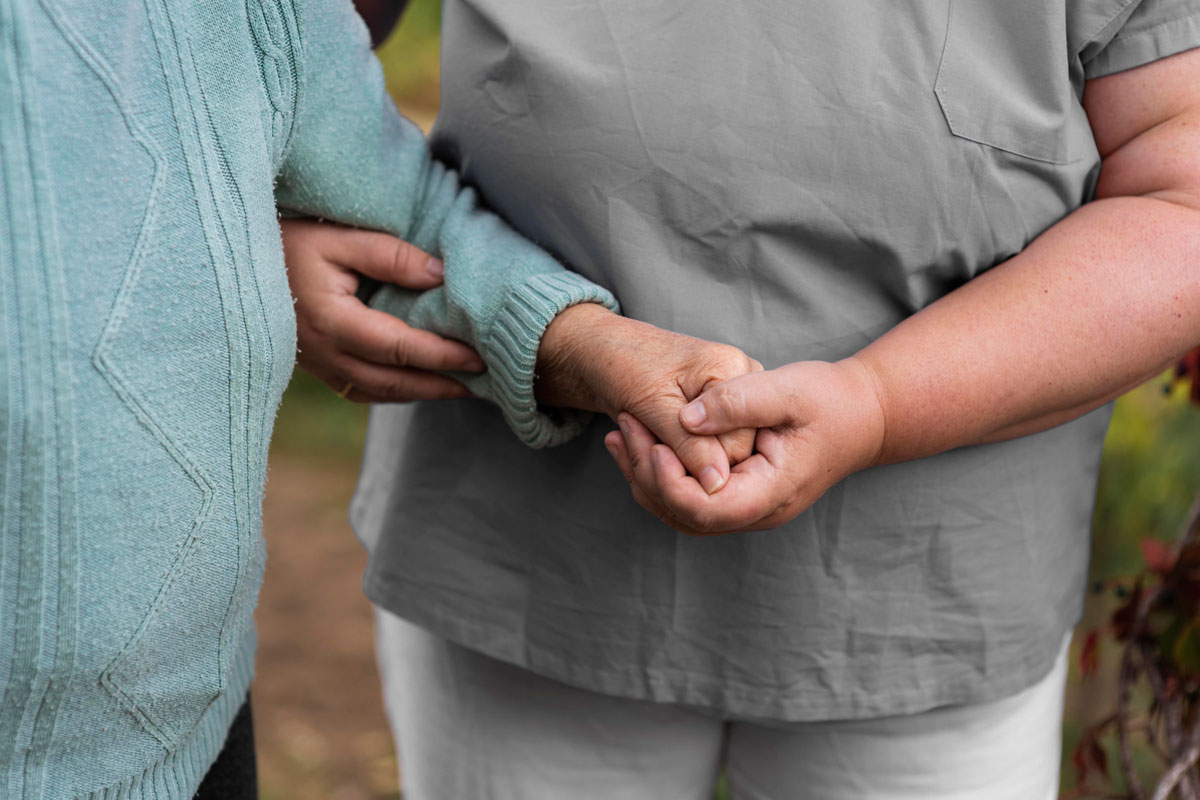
318,716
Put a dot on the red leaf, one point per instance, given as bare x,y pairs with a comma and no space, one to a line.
1159,555
1088,659
1079,761
1124,617
1089,755
1098,757
1188,368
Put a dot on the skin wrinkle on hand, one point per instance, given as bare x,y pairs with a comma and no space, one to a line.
593,359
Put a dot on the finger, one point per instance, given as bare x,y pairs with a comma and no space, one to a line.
639,446
633,445
702,456
393,384
638,442
615,443
738,445
379,337
385,258
336,381
750,495
668,468
753,400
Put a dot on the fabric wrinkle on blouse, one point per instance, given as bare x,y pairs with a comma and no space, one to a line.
793,178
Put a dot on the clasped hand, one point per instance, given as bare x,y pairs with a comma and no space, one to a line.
708,442
817,423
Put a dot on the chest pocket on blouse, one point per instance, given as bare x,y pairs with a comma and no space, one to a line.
1006,80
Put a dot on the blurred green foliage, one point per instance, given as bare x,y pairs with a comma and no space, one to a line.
314,423
410,58
1149,475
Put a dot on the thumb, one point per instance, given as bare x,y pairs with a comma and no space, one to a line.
388,259
754,400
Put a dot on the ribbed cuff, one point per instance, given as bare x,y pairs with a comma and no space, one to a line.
510,348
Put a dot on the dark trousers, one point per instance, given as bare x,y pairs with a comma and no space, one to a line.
234,775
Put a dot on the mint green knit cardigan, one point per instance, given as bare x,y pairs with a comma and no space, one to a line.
147,334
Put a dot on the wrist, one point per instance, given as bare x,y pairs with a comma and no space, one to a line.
867,386
568,357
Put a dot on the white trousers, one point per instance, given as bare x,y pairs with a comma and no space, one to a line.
468,727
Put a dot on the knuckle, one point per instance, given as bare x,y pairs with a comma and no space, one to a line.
699,450
446,359
728,401
700,533
399,258
704,520
449,391
644,500
738,445
322,323
401,351
395,391
730,359
406,259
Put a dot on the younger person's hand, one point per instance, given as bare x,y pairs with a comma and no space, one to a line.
817,423
362,354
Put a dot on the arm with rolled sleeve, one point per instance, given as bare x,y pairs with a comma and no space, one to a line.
353,158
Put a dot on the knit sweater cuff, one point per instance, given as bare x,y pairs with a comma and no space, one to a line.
510,348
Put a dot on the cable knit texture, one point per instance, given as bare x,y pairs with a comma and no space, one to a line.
145,147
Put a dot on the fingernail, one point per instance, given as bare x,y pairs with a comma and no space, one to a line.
711,480
623,425
693,413
612,450
435,268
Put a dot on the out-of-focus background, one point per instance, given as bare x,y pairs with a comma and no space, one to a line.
319,720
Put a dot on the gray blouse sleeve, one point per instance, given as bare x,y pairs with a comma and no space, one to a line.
1143,32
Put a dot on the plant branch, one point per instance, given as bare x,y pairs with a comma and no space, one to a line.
1124,688
1174,776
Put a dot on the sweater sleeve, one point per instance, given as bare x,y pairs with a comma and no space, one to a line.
353,158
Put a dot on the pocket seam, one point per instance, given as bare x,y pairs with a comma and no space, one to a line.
956,129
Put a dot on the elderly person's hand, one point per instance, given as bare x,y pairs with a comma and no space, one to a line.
593,359
366,355
817,423
589,358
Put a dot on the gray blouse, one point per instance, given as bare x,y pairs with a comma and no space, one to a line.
794,178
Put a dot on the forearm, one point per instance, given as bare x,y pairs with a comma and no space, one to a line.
560,380
1100,302
355,160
